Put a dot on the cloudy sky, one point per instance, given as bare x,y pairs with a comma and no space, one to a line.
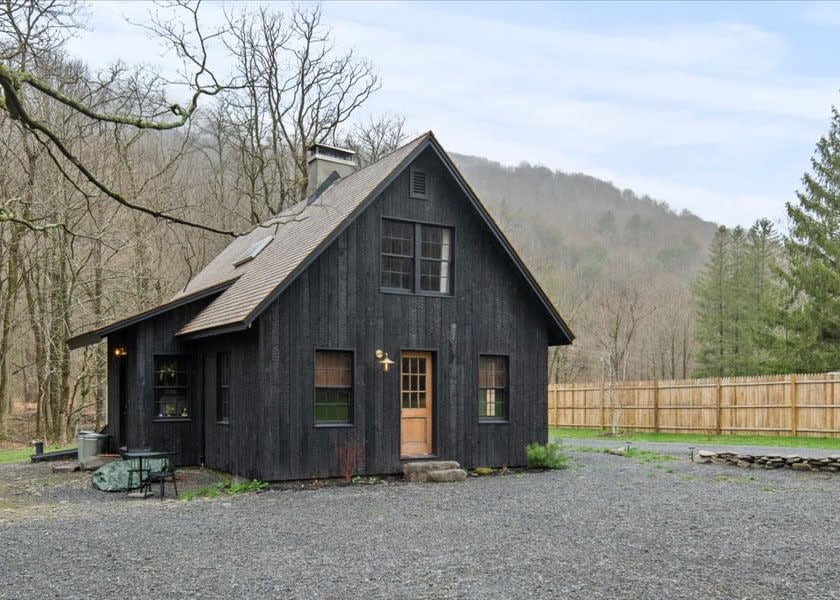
711,107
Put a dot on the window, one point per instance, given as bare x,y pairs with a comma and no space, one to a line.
223,387
251,251
435,251
416,258
397,255
492,388
333,387
419,185
171,389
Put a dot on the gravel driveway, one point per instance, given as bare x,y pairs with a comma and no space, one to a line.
608,527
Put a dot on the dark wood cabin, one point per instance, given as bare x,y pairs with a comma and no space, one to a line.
272,361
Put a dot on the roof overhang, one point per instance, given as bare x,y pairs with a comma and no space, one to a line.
96,335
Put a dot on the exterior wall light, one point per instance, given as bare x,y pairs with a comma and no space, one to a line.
120,351
382,358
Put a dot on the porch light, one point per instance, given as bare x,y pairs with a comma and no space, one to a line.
383,359
120,351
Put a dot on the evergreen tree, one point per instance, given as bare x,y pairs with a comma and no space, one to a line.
811,339
764,249
737,302
710,291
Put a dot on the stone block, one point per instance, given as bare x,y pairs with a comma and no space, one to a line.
447,475
65,467
419,470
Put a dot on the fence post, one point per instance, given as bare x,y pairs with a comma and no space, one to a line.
656,405
718,404
602,403
794,417
550,395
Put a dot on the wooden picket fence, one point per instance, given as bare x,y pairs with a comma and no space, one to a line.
800,404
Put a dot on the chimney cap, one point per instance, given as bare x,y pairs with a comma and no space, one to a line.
332,153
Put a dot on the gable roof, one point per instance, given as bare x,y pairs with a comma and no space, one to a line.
299,235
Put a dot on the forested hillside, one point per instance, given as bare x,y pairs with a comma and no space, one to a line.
619,266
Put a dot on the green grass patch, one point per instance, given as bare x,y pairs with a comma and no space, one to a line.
19,455
649,456
224,488
557,433
586,449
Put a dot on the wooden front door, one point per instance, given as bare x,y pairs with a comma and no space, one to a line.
416,398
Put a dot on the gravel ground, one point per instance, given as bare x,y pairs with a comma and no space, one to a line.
608,527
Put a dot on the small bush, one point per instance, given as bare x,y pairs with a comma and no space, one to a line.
350,456
484,470
546,456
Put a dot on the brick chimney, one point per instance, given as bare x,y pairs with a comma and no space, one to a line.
322,160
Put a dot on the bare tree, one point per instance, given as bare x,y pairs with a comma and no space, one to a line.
620,313
376,137
293,89
32,34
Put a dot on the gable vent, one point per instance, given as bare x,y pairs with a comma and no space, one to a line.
419,185
252,251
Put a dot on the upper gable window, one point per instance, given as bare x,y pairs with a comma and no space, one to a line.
416,258
419,184
251,251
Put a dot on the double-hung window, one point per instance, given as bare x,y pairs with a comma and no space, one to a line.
416,257
492,388
333,387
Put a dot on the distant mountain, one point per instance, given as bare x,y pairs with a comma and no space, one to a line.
585,239
576,218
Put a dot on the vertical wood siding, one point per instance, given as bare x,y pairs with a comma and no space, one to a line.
336,304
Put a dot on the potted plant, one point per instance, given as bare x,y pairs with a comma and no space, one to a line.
168,373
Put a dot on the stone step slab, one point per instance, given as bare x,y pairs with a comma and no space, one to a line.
447,475
419,470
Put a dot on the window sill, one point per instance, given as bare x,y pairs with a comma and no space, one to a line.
493,421
399,292
171,420
332,425
226,423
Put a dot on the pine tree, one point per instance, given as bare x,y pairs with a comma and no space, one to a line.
710,291
812,335
764,250
737,299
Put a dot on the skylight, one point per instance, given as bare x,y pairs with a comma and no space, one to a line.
252,251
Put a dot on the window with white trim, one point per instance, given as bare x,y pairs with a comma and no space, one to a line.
416,257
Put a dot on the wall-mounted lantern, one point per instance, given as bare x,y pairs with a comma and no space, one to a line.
120,351
383,359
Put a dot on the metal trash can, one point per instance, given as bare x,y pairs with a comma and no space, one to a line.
91,444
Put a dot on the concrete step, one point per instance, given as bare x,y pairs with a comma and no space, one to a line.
433,470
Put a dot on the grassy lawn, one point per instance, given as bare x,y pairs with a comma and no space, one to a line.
690,438
16,455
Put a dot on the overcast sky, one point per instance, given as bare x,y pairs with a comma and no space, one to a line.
714,107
